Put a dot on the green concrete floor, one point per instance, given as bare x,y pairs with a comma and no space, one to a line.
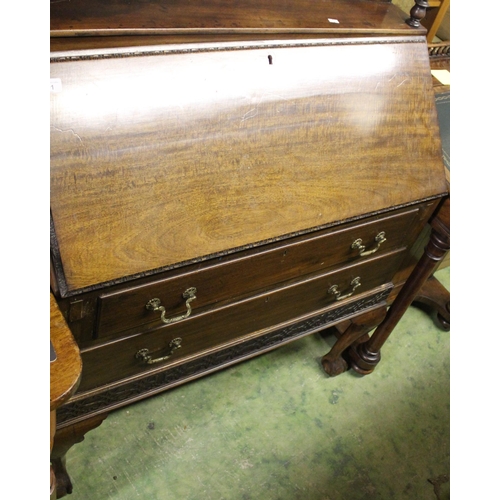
276,427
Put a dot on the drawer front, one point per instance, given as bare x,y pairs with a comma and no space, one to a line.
126,309
236,322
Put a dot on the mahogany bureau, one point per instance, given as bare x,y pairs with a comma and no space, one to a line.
227,177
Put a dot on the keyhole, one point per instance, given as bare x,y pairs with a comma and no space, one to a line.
270,59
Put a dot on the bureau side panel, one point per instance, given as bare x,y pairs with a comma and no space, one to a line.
175,154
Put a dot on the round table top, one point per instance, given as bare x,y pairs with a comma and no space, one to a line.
66,368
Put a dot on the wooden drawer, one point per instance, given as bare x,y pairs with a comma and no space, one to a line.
211,330
123,310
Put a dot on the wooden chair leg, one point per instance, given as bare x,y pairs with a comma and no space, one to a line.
64,439
333,362
365,357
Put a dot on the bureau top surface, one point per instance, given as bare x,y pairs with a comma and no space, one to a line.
94,18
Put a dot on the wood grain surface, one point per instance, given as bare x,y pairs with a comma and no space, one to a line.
165,157
134,17
66,369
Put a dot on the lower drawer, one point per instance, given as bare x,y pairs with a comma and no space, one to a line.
207,332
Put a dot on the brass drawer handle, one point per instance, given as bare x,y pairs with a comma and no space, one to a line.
142,354
334,290
358,245
155,305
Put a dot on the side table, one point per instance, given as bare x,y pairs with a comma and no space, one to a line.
65,372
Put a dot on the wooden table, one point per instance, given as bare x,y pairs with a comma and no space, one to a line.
65,372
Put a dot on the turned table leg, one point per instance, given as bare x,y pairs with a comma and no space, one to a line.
333,362
365,356
417,13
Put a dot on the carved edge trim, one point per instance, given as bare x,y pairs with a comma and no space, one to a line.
139,389
439,50
98,286
227,48
55,257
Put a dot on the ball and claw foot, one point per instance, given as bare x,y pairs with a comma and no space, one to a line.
63,482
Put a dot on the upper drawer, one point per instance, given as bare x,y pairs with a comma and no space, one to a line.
126,309
163,155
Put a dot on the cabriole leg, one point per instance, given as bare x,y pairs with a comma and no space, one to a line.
64,439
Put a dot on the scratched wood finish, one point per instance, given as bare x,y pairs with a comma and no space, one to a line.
133,17
163,158
235,322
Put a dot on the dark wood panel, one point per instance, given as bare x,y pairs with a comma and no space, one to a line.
149,170
124,17
204,332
